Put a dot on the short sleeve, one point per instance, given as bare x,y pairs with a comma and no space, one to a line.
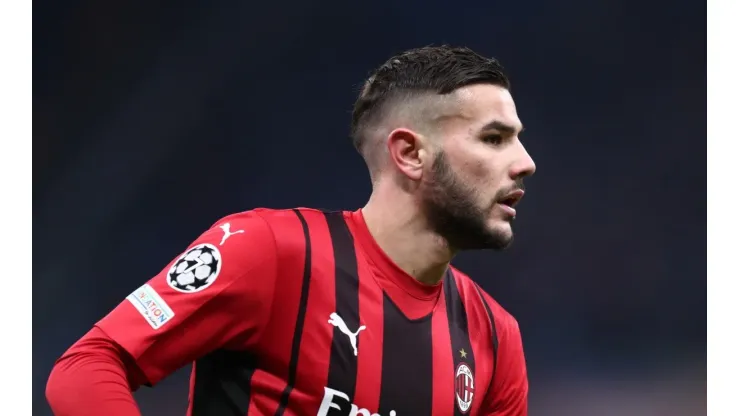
216,294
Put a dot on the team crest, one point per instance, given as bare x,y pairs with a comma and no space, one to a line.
196,269
464,388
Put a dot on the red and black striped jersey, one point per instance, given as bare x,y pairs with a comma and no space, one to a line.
300,312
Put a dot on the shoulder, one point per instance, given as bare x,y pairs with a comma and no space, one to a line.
274,217
287,228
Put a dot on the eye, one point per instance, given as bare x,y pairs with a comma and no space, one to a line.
494,139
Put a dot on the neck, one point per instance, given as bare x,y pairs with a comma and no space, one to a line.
400,229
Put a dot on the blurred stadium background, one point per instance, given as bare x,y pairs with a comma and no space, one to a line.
154,119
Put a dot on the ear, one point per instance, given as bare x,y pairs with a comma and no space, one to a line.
407,151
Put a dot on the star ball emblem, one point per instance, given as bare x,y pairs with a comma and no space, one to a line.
196,269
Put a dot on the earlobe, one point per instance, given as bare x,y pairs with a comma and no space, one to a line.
406,150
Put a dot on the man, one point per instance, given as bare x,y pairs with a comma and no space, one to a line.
303,312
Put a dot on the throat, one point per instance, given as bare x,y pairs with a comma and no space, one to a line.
407,241
429,276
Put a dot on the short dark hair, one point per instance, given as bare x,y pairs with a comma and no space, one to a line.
430,69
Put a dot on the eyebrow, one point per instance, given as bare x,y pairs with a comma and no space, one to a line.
502,127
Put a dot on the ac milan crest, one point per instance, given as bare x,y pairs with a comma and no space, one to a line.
464,388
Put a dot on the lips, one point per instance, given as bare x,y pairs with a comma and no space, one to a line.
512,198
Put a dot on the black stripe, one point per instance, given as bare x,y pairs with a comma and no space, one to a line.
299,320
457,319
223,384
406,381
494,336
343,362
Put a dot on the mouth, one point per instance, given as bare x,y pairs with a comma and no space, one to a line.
512,198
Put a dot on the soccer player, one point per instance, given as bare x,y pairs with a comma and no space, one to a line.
304,312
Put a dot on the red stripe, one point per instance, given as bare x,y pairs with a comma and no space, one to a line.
275,359
315,352
443,394
191,391
370,351
458,386
266,391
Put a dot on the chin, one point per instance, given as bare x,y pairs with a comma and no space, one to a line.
500,226
502,233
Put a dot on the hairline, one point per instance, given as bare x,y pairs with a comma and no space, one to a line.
420,121
429,99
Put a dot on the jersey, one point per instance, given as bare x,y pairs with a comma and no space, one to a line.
300,312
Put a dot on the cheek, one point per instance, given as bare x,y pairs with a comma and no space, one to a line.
484,175
473,165
486,178
475,176
479,161
480,170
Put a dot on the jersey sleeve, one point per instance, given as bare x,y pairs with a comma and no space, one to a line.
509,392
216,294
510,389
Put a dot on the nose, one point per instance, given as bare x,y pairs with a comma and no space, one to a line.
523,165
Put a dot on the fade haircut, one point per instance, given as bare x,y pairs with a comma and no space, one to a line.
417,73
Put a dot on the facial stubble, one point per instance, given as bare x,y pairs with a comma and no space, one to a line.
451,207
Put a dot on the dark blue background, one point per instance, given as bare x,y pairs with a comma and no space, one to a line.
154,119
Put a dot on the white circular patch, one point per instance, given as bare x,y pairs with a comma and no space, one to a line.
196,269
